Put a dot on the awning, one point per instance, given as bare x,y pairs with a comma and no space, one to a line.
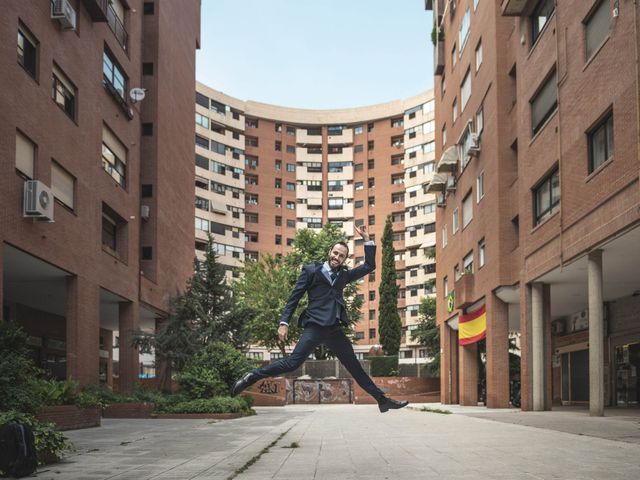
437,183
449,160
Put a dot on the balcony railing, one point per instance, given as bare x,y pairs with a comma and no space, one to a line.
117,27
97,9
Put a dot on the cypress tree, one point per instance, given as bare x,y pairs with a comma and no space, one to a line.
389,322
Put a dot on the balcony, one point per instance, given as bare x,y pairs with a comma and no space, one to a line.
97,9
464,291
438,58
115,23
437,183
513,8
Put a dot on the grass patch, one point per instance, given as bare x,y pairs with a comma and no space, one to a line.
257,457
435,410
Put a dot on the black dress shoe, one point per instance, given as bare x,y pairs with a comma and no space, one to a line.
246,381
386,403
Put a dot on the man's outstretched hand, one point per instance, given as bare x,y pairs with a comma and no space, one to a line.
283,330
362,230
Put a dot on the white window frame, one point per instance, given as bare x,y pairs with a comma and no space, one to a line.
481,253
478,55
465,29
465,90
480,187
467,210
455,220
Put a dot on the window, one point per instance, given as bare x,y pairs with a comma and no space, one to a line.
62,185
480,187
456,272
251,199
397,179
372,333
454,56
397,160
444,236
202,100
358,148
291,223
25,155
371,164
251,179
397,122
445,289
109,232
27,51
479,120
291,167
63,92
479,55
114,76
455,221
278,165
539,17
278,127
397,217
251,237
544,103
463,34
250,141
291,131
481,253
601,142
251,122
370,127
359,336
357,130
467,262
465,90
467,209
291,205
290,149
291,186
372,294
358,204
359,186
202,224
454,108
370,145
251,217
278,183
114,157
546,197
335,203
278,240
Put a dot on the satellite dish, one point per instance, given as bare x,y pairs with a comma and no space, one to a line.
137,94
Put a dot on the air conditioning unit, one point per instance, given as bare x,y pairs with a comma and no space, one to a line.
579,321
145,210
474,147
62,11
38,200
451,184
440,200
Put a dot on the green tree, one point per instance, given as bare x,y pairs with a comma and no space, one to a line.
174,342
266,284
427,333
389,320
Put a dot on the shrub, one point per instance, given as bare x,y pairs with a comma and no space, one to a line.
212,372
207,405
48,440
19,388
384,366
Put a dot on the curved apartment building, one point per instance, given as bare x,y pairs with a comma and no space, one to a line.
265,171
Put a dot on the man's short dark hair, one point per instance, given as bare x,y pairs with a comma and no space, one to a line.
344,244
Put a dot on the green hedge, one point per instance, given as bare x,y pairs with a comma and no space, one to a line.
207,405
384,366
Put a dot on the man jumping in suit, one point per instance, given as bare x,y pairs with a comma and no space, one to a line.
323,320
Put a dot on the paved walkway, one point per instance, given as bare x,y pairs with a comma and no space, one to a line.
357,442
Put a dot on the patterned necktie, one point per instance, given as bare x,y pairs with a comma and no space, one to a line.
334,274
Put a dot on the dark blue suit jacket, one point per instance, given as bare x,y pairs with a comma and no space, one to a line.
326,303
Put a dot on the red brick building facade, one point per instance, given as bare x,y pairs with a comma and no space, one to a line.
537,110
113,173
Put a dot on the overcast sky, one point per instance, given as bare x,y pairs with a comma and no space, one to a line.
316,53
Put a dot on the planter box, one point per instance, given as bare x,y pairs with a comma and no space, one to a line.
129,410
70,417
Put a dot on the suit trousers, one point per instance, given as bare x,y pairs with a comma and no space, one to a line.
334,338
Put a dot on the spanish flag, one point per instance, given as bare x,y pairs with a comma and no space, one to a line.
472,326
